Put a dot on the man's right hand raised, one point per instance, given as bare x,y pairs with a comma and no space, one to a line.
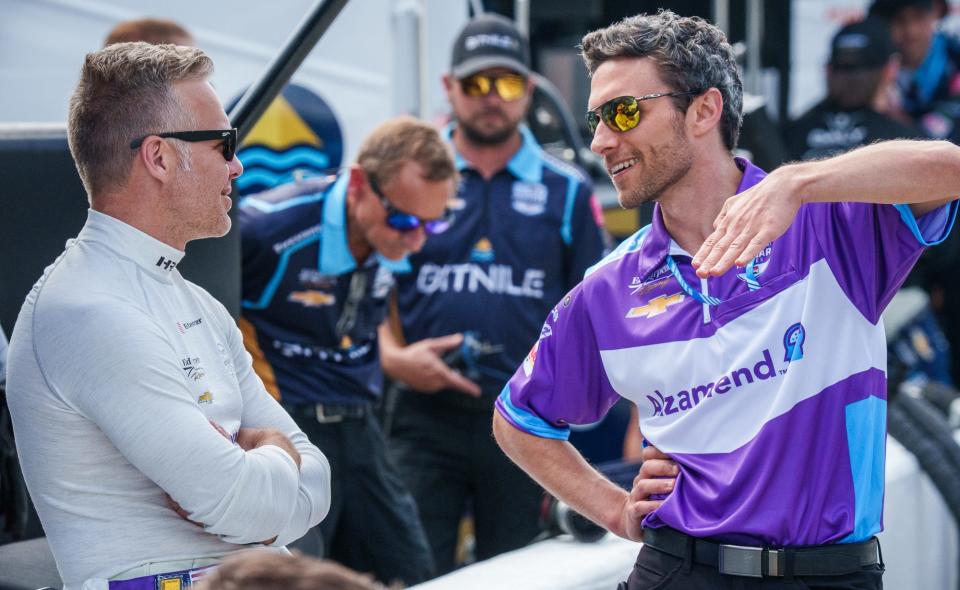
420,366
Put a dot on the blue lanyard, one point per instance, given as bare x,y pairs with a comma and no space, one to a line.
697,295
751,279
750,275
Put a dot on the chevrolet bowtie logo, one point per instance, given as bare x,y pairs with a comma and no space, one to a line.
312,298
655,306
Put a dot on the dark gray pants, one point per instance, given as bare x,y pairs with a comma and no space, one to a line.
655,570
449,460
373,524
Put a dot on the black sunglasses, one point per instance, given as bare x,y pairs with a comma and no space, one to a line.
622,113
404,222
229,137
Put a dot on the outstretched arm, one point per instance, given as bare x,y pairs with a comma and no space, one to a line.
922,174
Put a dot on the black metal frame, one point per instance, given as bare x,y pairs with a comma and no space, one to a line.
259,96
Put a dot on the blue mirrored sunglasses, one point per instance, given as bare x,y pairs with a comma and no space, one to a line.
402,221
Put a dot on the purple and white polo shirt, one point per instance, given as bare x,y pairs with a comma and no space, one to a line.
771,398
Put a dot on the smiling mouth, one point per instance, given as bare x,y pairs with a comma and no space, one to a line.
622,166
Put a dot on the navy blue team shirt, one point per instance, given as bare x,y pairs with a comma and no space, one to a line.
517,244
297,277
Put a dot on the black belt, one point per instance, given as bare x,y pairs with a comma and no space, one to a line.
756,562
330,413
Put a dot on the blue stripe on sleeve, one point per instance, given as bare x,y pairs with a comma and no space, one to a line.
566,229
274,282
531,423
938,222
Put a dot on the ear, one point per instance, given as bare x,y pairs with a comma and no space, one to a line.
158,158
357,184
704,113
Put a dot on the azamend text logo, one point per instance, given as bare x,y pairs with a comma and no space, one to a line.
687,399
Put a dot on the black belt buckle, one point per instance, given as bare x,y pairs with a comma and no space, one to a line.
325,418
738,560
334,413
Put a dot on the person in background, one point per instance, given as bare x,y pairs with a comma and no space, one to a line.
319,258
260,571
929,78
149,446
526,228
929,83
861,74
156,31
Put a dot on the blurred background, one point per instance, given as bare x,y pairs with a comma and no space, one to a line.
381,58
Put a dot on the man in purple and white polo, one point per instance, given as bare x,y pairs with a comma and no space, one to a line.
745,328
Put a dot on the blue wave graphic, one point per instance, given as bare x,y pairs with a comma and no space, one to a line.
255,181
302,155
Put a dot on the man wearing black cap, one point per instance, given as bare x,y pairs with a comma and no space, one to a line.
527,227
930,75
863,67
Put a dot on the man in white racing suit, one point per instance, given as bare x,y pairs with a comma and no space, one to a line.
149,446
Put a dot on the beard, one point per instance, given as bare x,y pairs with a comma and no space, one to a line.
666,165
195,211
487,136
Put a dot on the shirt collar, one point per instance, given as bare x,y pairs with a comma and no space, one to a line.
335,256
659,243
526,164
158,259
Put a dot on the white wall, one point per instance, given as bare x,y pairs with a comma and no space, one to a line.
42,44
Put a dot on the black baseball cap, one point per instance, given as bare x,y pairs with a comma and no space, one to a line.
890,8
862,45
490,41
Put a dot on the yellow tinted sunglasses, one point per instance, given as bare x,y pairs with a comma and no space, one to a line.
509,87
623,112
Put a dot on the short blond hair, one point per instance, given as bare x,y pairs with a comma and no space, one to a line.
126,92
401,140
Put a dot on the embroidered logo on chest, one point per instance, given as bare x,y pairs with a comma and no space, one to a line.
191,367
182,327
529,198
383,281
312,298
656,306
752,272
314,279
482,251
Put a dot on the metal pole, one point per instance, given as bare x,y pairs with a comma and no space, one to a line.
259,96
721,15
477,6
422,62
568,125
521,11
754,40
